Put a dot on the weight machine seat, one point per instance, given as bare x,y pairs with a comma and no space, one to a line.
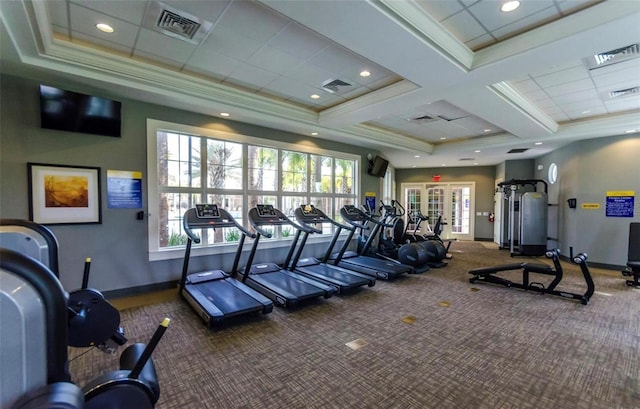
483,271
538,268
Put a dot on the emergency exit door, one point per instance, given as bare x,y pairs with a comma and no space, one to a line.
454,201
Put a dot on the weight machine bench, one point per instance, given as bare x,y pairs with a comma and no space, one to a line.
633,256
486,274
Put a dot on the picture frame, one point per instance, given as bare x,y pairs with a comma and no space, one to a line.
63,194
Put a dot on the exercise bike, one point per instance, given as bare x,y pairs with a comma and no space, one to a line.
40,320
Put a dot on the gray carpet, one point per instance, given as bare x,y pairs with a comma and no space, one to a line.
426,341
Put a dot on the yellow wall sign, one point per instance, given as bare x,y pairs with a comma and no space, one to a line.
620,193
591,206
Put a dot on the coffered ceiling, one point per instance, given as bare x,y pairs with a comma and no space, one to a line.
451,82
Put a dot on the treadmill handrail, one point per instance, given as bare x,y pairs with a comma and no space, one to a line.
280,219
368,218
227,220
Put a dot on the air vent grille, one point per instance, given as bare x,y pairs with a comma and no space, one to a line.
177,24
518,150
613,56
336,86
467,159
624,92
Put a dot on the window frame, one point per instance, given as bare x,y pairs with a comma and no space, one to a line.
163,253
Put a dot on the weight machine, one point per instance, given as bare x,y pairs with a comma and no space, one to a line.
527,217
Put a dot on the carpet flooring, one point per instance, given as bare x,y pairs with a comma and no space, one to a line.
423,341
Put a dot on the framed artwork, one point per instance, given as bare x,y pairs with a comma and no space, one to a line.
61,194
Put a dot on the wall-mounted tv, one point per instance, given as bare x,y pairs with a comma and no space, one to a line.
74,112
378,166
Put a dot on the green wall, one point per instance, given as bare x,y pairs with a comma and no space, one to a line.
118,247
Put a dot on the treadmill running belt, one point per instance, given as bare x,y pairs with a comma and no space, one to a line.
227,297
286,285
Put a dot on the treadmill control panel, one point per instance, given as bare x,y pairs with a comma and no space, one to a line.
351,210
207,211
309,210
266,210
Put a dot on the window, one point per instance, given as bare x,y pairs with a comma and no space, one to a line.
190,165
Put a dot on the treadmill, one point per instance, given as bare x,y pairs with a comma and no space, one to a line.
285,288
341,279
215,295
376,267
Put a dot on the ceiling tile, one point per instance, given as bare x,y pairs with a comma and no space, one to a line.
575,96
488,12
440,10
164,46
231,44
463,26
299,41
253,20
526,23
212,64
85,20
570,87
336,59
250,77
108,45
480,42
132,13
274,60
562,77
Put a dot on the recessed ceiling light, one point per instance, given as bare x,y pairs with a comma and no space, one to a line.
510,6
224,114
475,163
444,164
416,156
105,28
487,130
413,166
630,131
314,133
315,96
585,112
365,73
538,143
442,138
477,151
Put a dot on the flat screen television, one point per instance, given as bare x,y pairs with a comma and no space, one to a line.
74,112
378,167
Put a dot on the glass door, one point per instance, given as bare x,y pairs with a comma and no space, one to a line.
453,201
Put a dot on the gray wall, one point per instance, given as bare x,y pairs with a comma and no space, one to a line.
118,247
483,176
586,171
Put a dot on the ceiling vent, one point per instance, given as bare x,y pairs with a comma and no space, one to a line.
613,56
175,23
424,119
467,159
624,92
518,150
336,86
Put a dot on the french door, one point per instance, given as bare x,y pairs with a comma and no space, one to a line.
453,201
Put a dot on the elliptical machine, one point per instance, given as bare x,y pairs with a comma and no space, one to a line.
432,239
392,243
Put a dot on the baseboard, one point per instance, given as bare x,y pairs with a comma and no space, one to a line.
482,239
143,289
